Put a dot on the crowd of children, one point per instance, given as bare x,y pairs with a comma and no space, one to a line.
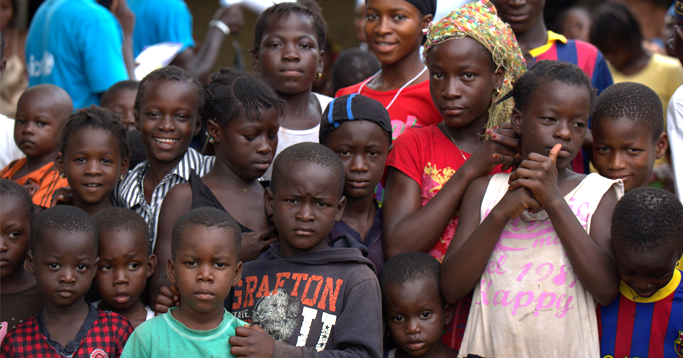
441,205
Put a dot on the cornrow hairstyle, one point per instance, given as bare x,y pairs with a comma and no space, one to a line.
209,218
548,71
95,118
282,10
10,189
307,153
115,88
647,219
232,91
615,27
168,73
124,220
631,101
61,217
408,267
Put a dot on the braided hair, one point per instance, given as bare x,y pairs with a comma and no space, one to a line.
281,10
548,71
232,91
168,73
95,118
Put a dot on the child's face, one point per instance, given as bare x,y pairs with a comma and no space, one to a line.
289,56
304,206
92,164
363,147
15,227
64,266
521,15
462,81
415,315
168,119
577,25
37,126
647,271
246,146
124,267
624,149
205,270
393,29
556,113
123,103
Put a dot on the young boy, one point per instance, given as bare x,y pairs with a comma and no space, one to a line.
41,114
204,270
20,297
120,98
358,130
628,133
63,258
308,297
646,320
415,311
126,262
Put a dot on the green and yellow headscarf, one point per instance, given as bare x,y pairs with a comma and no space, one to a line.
479,20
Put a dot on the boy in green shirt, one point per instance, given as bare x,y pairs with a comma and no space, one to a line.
204,266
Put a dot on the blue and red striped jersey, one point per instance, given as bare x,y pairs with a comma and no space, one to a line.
634,326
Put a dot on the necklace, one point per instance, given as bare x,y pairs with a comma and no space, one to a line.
399,91
445,129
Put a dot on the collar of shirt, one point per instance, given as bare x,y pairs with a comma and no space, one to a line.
552,37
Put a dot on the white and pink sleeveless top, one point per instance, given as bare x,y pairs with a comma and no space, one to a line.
529,302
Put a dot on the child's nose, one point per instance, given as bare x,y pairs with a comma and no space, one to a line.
120,277
359,163
68,276
305,213
412,327
616,161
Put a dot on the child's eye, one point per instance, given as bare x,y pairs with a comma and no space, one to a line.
370,16
633,151
14,234
373,154
548,119
426,314
106,161
133,266
602,149
659,276
398,318
220,265
20,121
306,46
80,160
468,75
437,75
249,138
105,268
183,117
292,201
398,17
344,153
81,267
191,263
53,265
41,124
320,203
579,124
153,114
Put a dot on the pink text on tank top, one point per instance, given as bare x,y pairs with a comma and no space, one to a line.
398,126
539,234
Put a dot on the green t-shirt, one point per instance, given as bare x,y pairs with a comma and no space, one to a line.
165,336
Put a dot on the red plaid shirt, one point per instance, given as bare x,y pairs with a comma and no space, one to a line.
102,335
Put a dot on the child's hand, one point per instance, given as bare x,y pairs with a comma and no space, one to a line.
539,174
251,341
501,149
232,16
126,17
168,297
515,202
62,196
254,243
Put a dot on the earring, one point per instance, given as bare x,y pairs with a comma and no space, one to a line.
318,76
497,90
63,176
677,263
211,140
121,177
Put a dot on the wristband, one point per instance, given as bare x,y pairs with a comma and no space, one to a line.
220,25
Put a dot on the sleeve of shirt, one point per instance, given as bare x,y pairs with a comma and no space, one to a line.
6,349
602,78
674,119
49,183
175,24
135,347
407,156
102,48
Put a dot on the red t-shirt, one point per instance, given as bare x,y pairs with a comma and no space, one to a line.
427,156
412,108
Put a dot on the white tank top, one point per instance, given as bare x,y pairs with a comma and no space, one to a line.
529,302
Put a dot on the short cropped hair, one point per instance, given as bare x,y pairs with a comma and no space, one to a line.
61,217
351,67
647,219
12,189
408,267
124,220
115,88
307,153
634,102
206,217
284,9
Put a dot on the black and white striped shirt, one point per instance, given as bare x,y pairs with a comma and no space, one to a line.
129,190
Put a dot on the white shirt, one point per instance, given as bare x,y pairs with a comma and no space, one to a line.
674,123
9,151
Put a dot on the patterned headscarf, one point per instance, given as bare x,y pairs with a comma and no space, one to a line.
479,20
678,9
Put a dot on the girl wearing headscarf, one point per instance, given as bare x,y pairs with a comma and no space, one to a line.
394,30
473,60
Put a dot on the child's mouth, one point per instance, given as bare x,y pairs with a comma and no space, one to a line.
415,346
121,298
165,142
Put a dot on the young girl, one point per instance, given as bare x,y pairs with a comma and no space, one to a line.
542,255
288,53
242,116
93,157
395,31
167,115
473,60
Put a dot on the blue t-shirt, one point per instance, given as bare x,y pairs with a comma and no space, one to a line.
159,21
76,45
